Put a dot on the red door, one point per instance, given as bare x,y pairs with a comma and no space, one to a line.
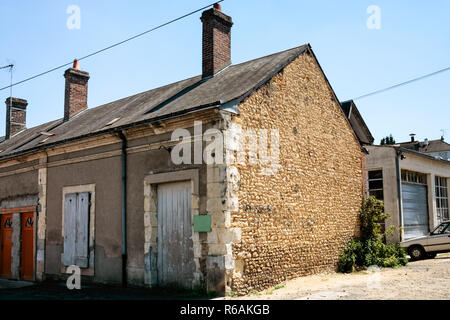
5,247
27,261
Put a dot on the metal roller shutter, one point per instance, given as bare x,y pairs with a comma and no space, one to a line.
415,210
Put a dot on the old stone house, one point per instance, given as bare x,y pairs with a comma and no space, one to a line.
102,188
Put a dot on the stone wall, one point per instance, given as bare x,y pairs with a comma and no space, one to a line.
296,222
42,222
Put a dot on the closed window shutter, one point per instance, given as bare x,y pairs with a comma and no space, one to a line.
82,235
70,208
76,230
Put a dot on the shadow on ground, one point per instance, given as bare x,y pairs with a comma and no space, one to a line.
13,290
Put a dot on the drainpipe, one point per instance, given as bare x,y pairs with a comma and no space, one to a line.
124,208
399,190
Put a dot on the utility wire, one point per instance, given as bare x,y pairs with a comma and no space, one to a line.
402,84
8,66
111,46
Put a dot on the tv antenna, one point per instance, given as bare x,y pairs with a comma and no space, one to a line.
10,66
444,131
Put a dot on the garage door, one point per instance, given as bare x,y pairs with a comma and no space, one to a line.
176,264
415,210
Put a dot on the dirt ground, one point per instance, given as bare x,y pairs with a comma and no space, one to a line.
420,280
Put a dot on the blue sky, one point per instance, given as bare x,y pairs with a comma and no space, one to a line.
414,39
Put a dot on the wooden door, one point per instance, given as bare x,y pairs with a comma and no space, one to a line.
6,242
27,262
176,264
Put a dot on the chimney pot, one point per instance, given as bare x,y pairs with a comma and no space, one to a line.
16,116
76,64
216,41
412,135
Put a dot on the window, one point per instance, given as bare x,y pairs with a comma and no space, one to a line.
440,229
76,229
414,177
442,199
376,184
447,231
376,189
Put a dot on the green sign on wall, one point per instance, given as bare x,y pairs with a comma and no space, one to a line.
202,223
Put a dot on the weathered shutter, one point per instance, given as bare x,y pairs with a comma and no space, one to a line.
70,209
76,230
82,234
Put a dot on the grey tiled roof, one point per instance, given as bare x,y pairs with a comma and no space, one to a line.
234,83
357,122
433,146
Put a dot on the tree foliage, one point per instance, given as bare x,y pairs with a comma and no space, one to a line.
388,140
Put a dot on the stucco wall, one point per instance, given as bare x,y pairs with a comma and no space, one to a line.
16,189
297,221
144,156
105,174
384,158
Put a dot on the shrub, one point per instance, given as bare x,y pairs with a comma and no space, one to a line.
348,257
371,249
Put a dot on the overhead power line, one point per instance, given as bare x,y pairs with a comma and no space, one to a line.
8,66
402,84
111,46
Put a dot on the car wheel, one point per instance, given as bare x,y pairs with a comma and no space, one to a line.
416,253
431,255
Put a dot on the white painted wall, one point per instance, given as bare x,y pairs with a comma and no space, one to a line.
383,157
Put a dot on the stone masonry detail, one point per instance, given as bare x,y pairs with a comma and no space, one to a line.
42,223
298,221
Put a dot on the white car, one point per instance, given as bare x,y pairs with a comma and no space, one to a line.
438,241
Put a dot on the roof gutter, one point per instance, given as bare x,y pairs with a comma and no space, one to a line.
398,156
423,155
124,208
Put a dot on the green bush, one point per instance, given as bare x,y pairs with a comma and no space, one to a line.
348,257
371,249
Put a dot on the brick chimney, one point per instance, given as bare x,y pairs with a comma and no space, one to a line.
76,91
216,40
16,116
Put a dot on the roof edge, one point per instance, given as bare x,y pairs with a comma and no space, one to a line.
216,104
423,155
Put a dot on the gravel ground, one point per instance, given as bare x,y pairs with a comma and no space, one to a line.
420,280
